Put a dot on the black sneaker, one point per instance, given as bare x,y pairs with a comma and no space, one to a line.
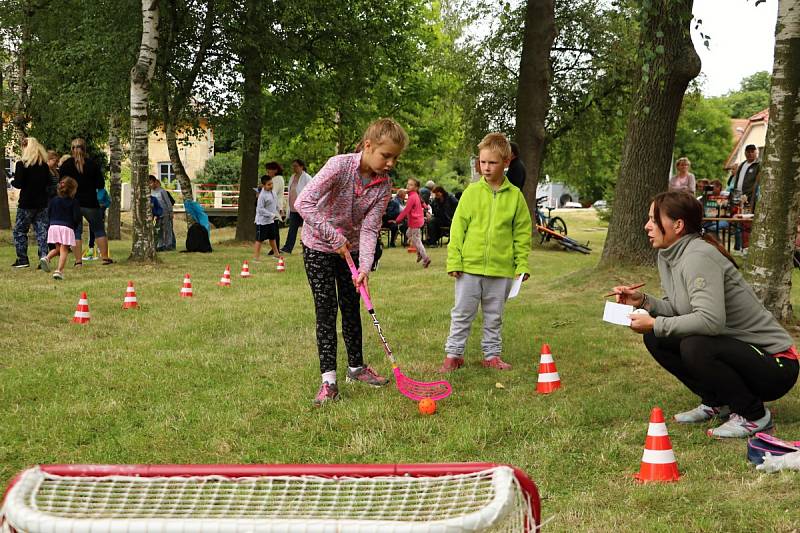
21,263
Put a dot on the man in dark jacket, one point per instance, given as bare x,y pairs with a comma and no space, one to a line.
392,212
516,173
745,179
444,206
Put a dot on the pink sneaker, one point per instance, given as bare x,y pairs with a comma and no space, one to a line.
496,362
450,364
328,392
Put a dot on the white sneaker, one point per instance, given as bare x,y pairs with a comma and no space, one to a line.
44,264
702,413
738,427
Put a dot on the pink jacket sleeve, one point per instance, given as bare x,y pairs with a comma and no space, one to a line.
307,203
412,204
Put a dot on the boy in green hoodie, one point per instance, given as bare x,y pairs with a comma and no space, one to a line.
490,239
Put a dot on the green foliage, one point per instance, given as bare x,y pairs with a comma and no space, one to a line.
751,98
593,64
760,81
80,71
704,136
222,168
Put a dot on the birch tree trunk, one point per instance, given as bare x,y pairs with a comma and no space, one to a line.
115,183
769,266
533,91
19,116
143,247
668,63
5,212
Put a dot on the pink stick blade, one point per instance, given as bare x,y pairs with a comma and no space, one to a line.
420,390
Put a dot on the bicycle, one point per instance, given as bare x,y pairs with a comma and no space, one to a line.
548,221
550,227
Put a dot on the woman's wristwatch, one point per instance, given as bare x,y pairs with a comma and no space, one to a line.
644,301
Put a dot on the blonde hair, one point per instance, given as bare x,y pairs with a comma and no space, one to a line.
80,159
682,160
52,154
34,153
496,142
67,187
63,158
386,128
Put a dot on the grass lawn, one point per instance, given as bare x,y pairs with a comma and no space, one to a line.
229,376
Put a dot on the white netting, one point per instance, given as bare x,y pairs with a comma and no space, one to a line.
489,500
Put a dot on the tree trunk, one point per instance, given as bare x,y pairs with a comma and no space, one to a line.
5,212
143,247
769,266
669,62
177,165
19,116
252,118
533,91
113,230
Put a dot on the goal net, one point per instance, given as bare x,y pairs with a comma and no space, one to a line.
271,498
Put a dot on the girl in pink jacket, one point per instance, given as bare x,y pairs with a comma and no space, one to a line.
416,219
342,209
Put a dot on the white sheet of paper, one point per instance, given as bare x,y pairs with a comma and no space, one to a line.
515,287
617,313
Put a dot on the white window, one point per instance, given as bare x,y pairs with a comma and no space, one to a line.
165,173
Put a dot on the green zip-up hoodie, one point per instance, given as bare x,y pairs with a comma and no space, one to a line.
491,232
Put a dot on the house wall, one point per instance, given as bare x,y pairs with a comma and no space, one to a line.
195,150
755,134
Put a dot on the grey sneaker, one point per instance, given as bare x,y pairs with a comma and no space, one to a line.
328,392
738,427
365,374
702,413
58,275
44,264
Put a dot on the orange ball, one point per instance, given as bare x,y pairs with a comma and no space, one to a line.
427,406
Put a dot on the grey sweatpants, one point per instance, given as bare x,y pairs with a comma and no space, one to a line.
491,294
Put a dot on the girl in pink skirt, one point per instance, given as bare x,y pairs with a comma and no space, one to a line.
65,214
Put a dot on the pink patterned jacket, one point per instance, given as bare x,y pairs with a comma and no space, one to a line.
335,200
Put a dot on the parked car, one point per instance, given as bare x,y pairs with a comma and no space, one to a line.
600,204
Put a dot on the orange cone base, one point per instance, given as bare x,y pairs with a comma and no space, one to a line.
547,388
411,250
130,305
654,473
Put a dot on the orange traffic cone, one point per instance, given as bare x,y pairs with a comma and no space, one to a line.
186,290
225,280
130,297
658,460
549,380
81,315
245,270
281,265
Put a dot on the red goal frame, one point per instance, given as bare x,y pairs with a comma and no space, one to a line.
320,470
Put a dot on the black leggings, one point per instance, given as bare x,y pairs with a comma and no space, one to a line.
331,282
725,371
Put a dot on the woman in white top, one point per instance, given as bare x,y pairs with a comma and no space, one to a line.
300,178
275,171
683,180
